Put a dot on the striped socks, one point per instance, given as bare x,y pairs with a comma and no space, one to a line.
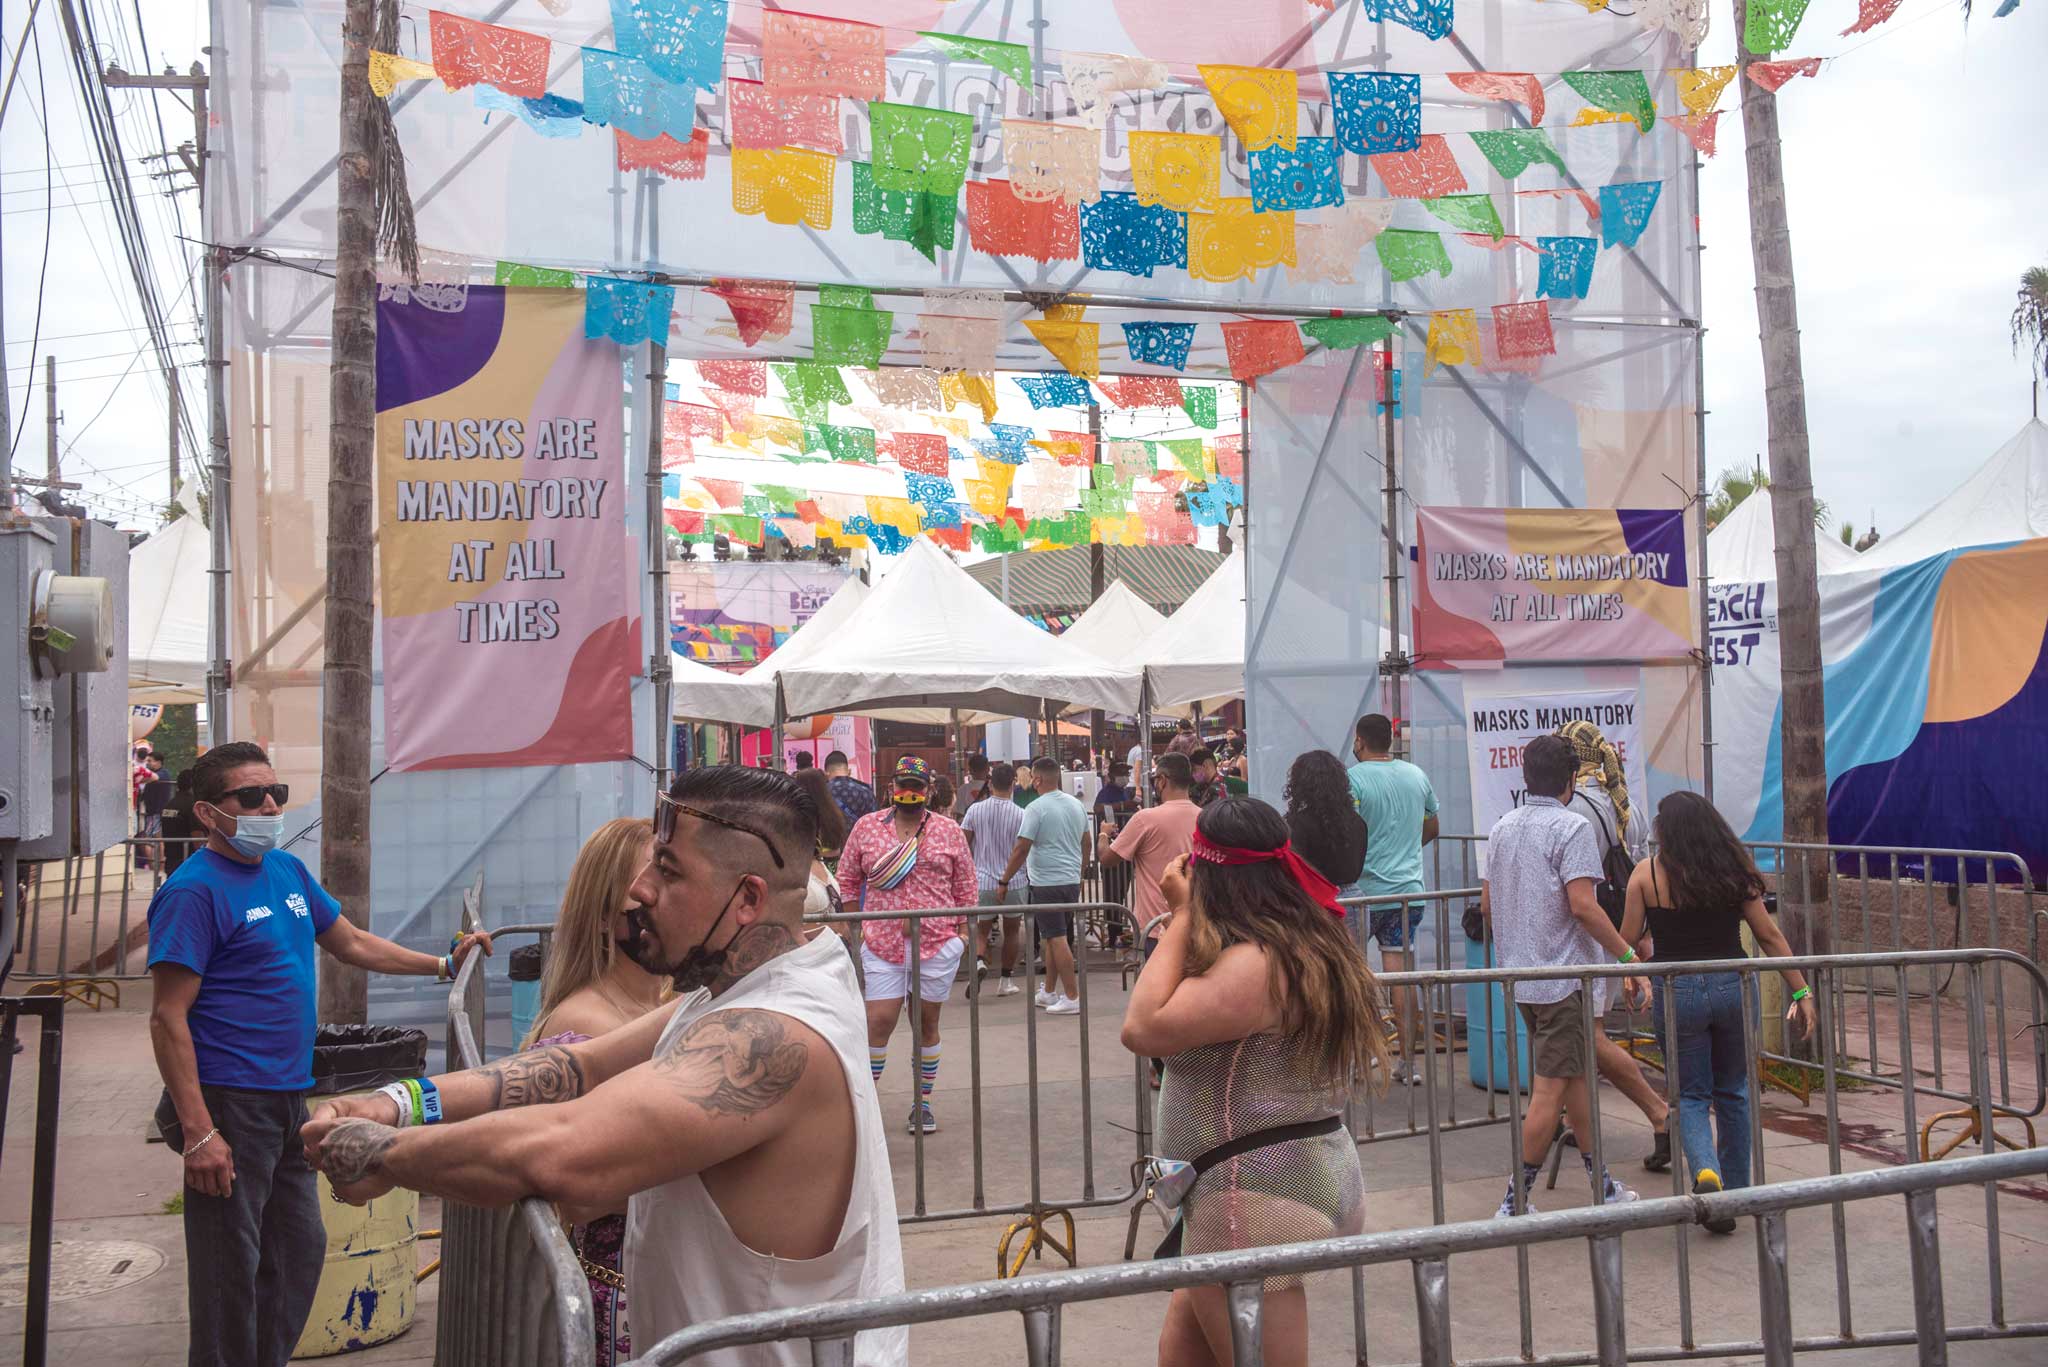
878,1059
928,1069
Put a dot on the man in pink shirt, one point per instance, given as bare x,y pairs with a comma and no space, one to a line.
907,857
1152,839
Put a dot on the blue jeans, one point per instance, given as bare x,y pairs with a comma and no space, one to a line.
1713,1076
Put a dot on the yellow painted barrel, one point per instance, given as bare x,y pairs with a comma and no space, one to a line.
366,1293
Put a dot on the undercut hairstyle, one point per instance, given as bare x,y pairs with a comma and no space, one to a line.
1376,732
1045,764
210,773
803,760
1548,763
1174,771
1204,755
1330,1004
831,821
772,803
978,765
1002,776
836,760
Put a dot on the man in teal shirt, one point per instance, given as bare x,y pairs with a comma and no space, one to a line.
1399,808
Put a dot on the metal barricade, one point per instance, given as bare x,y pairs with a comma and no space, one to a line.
1037,1207
42,1200
512,1290
830,1328
83,923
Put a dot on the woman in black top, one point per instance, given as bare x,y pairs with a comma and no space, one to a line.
1692,899
1323,821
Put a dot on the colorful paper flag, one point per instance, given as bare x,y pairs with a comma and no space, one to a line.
1306,177
1093,77
1407,253
1176,170
1768,25
1053,161
1523,331
927,222
849,336
919,149
788,185
1699,88
1053,389
468,52
1698,129
1074,345
1142,391
758,310
627,311
1199,403
1625,209
1001,224
1520,87
759,117
951,343
1120,234
1623,92
803,53
683,40
663,155
923,452
1453,340
735,377
1771,75
1235,242
1012,59
1473,213
1260,346
1342,334
1259,103
1430,18
1513,151
387,69
518,275
1161,344
1376,111
550,116
1871,13
1425,173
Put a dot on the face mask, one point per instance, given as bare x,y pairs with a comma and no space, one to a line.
909,799
255,834
700,967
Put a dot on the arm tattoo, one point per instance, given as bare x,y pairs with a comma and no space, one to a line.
538,1077
736,1062
354,1149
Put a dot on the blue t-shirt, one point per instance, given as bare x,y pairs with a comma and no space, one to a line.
1054,824
1393,796
247,930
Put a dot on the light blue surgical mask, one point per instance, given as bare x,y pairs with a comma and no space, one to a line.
255,834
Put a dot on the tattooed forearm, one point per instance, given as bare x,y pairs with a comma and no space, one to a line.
353,1150
736,1062
537,1077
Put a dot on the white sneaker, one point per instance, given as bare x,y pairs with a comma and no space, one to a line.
1507,1207
1063,1006
1406,1074
1620,1195
1044,999
1008,989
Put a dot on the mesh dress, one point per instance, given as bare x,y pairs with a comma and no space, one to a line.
1302,1189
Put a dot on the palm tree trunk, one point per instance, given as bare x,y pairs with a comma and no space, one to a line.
1802,884
352,399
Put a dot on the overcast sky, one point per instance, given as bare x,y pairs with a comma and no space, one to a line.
1918,193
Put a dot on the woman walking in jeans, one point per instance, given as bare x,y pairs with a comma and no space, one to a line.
1693,899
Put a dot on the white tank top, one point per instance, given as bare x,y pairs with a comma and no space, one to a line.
684,1264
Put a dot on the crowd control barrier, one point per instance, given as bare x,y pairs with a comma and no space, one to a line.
48,1013
829,1329
512,1290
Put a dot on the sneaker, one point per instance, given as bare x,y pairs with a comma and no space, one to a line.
1063,1006
921,1118
1619,1195
980,972
1407,1074
1710,1181
1659,1159
1007,988
1507,1207
1043,999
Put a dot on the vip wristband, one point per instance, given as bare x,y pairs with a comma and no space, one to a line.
430,1101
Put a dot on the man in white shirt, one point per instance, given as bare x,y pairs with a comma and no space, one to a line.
1541,865
990,826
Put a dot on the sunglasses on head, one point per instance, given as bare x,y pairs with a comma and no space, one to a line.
666,809
252,796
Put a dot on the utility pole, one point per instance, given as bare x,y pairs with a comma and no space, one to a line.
171,390
1802,728
50,409
352,406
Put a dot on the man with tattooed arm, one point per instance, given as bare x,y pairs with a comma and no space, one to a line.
738,1126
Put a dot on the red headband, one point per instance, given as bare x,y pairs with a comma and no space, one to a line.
1320,889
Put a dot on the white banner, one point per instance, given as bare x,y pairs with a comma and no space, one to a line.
1504,713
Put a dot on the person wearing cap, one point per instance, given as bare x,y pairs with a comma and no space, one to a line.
909,858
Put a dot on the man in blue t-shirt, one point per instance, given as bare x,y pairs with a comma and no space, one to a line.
231,938
1399,807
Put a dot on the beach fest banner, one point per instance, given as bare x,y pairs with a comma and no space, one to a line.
1514,584
735,613
1936,676
507,570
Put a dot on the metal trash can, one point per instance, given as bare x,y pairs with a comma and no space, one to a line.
366,1293
525,973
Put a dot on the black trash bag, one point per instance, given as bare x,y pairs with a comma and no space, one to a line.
1475,924
527,962
357,1058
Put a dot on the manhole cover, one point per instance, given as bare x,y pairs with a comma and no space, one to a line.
78,1268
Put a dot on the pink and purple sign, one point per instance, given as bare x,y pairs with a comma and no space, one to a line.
1512,584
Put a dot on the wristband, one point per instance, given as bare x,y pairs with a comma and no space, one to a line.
430,1101
204,1140
444,969
401,1100
1802,994
412,1097
1628,956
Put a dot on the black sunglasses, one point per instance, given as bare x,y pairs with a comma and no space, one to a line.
666,808
251,797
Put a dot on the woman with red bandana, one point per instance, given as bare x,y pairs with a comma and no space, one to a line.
909,858
1267,1016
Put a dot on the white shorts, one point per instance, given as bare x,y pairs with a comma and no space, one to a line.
886,982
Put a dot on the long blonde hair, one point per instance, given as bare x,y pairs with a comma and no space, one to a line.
583,948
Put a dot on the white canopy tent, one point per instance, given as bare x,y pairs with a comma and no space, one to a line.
1743,547
1116,626
930,637
2005,501
167,597
748,699
1197,657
